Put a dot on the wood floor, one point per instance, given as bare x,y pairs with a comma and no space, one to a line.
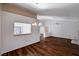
51,46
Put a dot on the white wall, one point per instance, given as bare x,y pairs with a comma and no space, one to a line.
10,41
0,28
64,27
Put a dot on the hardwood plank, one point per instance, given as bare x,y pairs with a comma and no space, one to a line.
18,10
51,46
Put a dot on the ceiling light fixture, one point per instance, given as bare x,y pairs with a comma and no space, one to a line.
41,5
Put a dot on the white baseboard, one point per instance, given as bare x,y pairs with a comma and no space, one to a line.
75,42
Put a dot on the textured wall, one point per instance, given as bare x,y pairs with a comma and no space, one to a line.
10,41
0,29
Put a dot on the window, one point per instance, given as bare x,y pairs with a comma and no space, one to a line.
22,28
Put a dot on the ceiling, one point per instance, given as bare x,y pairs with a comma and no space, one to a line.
53,9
